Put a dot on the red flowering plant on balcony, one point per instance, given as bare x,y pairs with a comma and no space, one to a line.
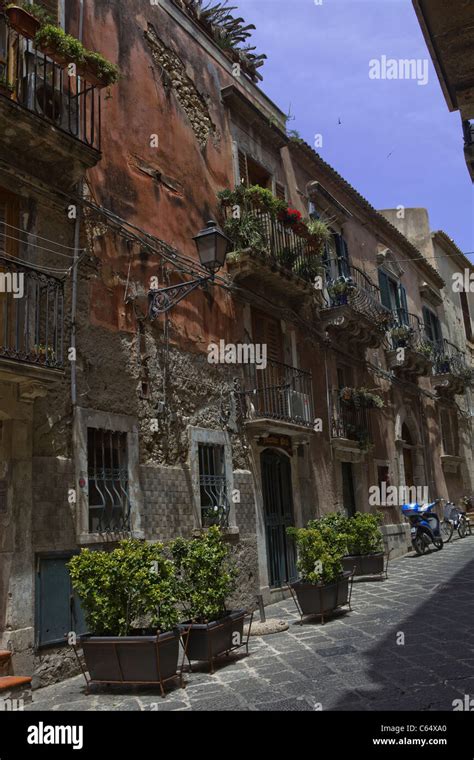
290,217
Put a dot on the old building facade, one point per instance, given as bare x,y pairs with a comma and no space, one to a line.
115,420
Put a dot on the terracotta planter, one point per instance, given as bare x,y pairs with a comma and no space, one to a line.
90,75
322,598
52,52
22,21
132,659
364,564
209,640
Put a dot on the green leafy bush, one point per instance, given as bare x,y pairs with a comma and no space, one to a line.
53,37
107,72
206,575
119,589
320,552
246,232
363,533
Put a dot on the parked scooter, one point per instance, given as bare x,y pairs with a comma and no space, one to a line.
424,526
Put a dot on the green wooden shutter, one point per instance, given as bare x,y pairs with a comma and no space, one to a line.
342,254
402,294
384,290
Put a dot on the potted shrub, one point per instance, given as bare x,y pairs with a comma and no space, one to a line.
289,217
61,47
130,604
365,544
340,289
324,584
361,398
207,577
401,335
98,70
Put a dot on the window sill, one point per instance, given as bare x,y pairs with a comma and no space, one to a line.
84,539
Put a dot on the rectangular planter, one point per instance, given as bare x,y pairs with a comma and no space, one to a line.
209,640
322,599
364,564
132,659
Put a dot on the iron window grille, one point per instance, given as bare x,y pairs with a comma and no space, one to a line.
109,501
213,486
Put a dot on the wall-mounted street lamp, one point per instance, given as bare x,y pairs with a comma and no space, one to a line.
212,246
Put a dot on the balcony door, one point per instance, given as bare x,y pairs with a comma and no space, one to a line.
270,383
278,510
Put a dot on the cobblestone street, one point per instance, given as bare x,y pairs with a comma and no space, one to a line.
353,662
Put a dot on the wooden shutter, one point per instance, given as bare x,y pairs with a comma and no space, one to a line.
466,315
342,254
267,330
243,170
402,295
384,290
280,191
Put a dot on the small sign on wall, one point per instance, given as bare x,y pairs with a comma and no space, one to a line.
280,441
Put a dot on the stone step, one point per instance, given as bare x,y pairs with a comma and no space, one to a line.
15,692
5,662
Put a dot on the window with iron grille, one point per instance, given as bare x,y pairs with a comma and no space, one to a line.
107,461
213,485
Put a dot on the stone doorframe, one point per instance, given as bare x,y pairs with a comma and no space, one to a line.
406,416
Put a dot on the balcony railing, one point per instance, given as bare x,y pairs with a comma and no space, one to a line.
415,335
37,83
360,293
449,359
278,392
31,315
277,244
350,422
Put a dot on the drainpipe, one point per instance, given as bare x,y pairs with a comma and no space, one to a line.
77,233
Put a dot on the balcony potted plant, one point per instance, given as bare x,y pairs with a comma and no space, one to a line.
25,22
401,335
98,70
289,217
361,398
324,585
365,544
130,604
340,289
62,48
206,578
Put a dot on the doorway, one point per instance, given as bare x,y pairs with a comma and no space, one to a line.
408,456
348,492
279,515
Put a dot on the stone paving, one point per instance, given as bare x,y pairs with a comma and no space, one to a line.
353,662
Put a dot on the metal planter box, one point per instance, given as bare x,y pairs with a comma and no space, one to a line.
322,599
365,564
207,641
132,659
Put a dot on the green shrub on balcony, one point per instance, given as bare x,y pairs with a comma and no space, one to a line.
54,41
361,398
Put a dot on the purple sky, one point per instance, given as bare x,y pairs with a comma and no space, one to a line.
318,63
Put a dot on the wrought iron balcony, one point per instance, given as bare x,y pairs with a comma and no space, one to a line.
408,333
350,422
31,317
37,83
278,392
354,309
275,254
451,373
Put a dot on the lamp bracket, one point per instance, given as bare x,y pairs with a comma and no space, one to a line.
162,300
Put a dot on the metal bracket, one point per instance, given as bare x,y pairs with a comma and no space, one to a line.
163,299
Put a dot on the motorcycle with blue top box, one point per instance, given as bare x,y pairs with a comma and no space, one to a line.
425,526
